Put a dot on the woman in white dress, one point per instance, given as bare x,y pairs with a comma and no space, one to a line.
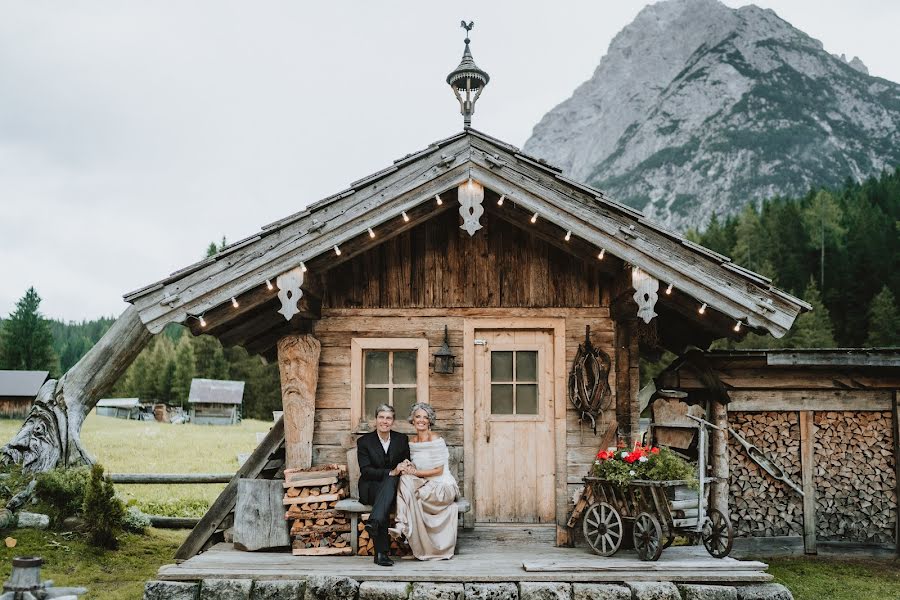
426,509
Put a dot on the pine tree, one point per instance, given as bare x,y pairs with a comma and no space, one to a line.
822,220
26,340
162,363
103,511
812,329
185,370
884,322
211,363
748,245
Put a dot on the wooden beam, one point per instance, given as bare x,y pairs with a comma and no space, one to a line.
801,400
807,471
266,317
895,417
225,317
298,361
719,460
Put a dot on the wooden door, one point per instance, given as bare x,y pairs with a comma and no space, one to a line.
514,443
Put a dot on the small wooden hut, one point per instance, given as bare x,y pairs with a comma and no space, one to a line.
17,391
216,402
120,408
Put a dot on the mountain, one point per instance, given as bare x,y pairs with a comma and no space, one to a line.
698,108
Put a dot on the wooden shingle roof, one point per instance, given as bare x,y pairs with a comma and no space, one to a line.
216,391
21,383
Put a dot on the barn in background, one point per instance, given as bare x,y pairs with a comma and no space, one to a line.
17,391
216,402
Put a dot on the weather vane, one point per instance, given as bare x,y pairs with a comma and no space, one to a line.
468,28
467,80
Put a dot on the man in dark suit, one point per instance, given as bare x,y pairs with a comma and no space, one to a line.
383,455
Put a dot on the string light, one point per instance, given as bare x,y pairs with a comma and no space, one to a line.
234,302
269,285
568,235
405,217
500,201
602,254
737,326
303,266
438,198
337,250
669,289
371,233
534,218
202,321
702,310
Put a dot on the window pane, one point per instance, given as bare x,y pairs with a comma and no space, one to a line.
376,368
526,399
405,367
501,366
404,398
502,398
374,397
526,366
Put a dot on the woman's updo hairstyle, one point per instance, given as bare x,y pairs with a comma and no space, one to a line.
432,417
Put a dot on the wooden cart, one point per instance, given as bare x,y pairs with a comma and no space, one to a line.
658,511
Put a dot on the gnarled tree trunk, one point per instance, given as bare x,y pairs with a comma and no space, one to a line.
51,434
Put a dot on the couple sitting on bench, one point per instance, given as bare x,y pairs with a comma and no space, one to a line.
415,474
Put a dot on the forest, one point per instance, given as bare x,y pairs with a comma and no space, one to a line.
838,249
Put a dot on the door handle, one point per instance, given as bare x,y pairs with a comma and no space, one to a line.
488,432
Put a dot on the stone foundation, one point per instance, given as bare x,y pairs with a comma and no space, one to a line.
344,588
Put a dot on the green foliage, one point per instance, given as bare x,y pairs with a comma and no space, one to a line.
103,512
656,464
135,521
25,340
884,321
62,490
812,329
185,368
210,358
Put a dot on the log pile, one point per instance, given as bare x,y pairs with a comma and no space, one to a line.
310,496
367,544
760,505
854,477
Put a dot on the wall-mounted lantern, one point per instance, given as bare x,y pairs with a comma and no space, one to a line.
444,360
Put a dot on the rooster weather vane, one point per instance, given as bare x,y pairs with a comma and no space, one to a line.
467,81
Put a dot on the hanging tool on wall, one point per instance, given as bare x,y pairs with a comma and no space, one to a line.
588,388
767,464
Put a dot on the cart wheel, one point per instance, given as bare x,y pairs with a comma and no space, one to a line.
717,535
647,536
602,527
668,536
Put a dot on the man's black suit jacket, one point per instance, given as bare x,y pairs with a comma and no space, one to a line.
374,464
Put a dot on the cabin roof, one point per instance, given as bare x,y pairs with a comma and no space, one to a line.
814,357
529,183
22,383
216,391
119,403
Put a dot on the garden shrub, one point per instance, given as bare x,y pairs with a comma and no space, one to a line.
62,490
103,512
135,521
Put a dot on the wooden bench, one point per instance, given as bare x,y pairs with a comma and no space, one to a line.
355,508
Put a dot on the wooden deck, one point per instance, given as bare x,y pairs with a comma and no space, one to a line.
476,561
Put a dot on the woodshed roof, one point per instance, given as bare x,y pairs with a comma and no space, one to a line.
21,383
409,185
216,391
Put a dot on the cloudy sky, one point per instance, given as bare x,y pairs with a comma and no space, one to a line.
134,133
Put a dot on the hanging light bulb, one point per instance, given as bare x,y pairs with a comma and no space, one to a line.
702,309
602,254
500,201
438,198
669,290
568,235
371,233
737,326
337,250
303,266
234,302
202,321
405,217
269,285
534,218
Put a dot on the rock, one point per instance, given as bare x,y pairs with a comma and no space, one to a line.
330,587
171,590
654,590
600,591
384,590
539,590
491,591
278,590
690,591
225,589
32,520
764,591
438,591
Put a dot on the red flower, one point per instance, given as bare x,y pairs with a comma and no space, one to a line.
654,450
604,455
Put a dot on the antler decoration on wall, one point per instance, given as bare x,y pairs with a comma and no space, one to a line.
589,390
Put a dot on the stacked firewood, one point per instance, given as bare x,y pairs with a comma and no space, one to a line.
760,505
367,544
854,476
310,496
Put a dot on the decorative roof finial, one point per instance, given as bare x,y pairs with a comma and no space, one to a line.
468,78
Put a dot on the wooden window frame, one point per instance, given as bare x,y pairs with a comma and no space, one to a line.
357,400
539,415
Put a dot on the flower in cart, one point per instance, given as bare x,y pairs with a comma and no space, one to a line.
643,459
605,455
654,450
632,473
624,456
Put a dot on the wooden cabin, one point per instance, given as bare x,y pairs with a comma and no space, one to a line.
17,391
828,419
352,296
216,402
119,408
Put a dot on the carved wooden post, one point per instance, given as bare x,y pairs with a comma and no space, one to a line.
298,361
719,438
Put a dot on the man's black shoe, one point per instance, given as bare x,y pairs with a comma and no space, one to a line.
383,560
